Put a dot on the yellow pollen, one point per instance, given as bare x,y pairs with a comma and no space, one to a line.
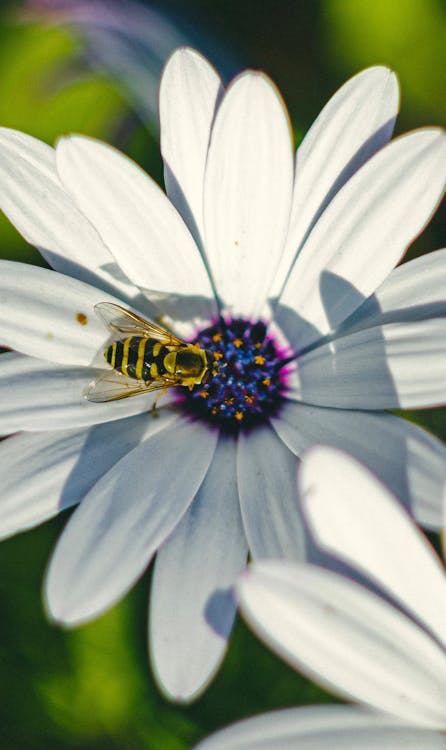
214,410
218,355
258,345
239,415
259,360
203,394
229,401
216,337
238,343
266,381
249,399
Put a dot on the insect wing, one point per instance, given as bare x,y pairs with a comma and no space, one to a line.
113,386
119,320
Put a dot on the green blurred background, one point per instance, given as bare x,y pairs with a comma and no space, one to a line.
92,687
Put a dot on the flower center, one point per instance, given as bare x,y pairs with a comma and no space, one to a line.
250,383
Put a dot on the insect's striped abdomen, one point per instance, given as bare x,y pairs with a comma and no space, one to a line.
137,357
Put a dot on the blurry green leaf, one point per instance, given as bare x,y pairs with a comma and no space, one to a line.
407,35
41,94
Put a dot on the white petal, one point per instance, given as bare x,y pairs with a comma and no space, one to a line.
192,608
266,472
247,196
353,516
34,199
189,92
322,728
144,232
44,473
37,395
109,541
355,123
348,639
46,314
362,235
398,365
413,291
410,461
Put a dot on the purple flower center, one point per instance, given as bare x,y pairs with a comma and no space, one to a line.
250,383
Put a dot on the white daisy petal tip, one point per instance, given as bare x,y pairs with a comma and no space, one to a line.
242,580
57,611
8,135
386,79
185,63
324,466
381,72
183,57
383,81
77,140
425,139
320,452
72,146
175,691
187,650
71,610
321,477
256,83
180,683
431,135
67,141
255,592
60,140
251,580
62,607
180,688
391,87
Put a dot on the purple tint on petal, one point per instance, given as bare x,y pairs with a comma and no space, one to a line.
130,42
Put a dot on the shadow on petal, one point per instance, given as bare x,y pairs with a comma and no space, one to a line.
330,371
105,444
368,148
219,612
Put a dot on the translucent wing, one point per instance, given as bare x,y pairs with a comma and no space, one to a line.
113,386
119,320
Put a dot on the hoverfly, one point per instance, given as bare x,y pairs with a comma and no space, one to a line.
145,357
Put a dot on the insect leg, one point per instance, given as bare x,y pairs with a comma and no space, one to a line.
154,410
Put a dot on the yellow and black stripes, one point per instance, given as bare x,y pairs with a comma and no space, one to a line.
138,357
113,354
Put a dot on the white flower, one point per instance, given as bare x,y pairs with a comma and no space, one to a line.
381,642
236,232
323,728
